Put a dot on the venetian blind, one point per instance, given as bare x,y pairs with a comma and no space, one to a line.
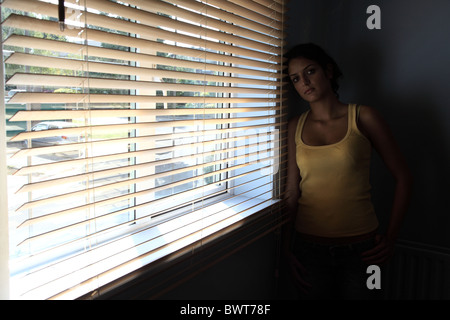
141,128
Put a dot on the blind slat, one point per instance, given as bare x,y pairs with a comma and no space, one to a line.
247,13
77,49
98,174
147,18
29,23
106,173
67,228
153,203
147,244
231,17
79,65
74,81
129,126
198,18
43,97
114,142
107,113
135,194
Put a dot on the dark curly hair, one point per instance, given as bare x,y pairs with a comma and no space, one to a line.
313,52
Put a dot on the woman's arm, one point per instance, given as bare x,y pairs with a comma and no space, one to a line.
293,180
292,195
378,132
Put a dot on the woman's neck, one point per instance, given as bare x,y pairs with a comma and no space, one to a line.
327,108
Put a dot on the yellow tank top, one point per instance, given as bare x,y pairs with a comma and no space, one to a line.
335,189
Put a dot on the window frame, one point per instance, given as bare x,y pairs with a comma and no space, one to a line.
221,196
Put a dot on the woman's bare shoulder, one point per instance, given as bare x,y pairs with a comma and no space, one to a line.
373,124
369,116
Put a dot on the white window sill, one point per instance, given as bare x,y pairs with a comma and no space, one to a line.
145,244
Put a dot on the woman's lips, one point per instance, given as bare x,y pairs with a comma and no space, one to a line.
309,91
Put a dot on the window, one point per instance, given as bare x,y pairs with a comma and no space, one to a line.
134,129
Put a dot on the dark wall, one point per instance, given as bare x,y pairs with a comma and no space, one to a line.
245,274
403,70
248,274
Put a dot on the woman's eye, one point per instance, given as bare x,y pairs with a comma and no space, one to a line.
310,71
295,79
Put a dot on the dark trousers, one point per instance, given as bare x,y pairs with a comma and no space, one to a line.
334,271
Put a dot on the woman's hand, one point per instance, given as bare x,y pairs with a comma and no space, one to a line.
382,252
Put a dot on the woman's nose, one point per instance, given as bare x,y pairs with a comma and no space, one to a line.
305,80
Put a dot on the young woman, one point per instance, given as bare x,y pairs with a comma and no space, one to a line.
334,235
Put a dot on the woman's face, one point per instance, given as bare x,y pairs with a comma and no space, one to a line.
310,80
